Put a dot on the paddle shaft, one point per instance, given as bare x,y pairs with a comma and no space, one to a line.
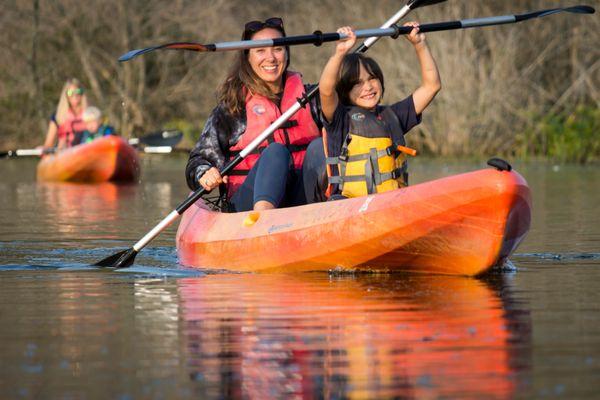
393,31
158,142
26,152
22,152
388,29
195,196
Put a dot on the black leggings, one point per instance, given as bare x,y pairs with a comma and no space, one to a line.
274,179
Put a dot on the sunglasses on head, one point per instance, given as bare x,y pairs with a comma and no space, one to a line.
71,92
255,26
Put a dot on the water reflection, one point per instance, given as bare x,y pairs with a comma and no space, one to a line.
75,208
92,335
59,330
278,336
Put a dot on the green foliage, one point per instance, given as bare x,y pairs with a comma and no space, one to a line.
565,137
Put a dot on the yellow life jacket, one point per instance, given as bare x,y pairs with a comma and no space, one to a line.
370,160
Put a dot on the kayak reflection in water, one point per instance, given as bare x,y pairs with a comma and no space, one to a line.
362,336
94,128
67,117
365,141
283,171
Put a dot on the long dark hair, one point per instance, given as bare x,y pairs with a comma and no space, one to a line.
242,78
350,74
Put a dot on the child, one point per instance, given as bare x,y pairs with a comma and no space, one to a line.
362,138
94,129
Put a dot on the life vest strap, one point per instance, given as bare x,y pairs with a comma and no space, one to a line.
348,178
339,180
388,151
290,123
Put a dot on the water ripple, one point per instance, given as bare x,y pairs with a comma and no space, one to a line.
560,256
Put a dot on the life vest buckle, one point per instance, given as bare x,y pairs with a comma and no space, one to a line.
344,154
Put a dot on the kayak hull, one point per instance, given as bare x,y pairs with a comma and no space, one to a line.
109,158
459,225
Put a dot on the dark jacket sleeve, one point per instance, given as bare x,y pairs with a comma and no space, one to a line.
221,131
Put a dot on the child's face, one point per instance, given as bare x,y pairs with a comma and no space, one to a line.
367,92
92,126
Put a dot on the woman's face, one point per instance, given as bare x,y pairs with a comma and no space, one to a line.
268,63
366,93
74,94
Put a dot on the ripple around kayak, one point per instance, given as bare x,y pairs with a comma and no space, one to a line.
109,158
460,225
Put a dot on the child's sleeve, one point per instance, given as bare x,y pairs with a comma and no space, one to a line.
335,130
407,115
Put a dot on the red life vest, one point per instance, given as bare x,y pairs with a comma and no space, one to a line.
70,126
295,134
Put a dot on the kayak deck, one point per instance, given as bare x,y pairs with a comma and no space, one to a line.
109,158
459,225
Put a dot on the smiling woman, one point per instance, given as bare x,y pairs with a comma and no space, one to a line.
284,171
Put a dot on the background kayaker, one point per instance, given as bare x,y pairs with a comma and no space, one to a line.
67,117
94,128
351,88
285,170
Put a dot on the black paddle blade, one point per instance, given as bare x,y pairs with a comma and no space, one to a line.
574,10
423,3
581,9
545,13
162,138
122,259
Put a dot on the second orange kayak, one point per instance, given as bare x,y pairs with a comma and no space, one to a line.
459,225
109,158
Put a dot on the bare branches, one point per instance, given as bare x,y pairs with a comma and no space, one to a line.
495,79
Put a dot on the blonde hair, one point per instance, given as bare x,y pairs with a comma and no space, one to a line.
91,113
63,103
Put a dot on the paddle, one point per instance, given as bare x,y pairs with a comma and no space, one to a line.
391,30
25,152
125,258
156,142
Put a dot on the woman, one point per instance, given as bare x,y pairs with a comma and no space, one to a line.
284,170
67,118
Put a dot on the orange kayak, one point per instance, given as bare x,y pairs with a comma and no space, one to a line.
459,225
109,158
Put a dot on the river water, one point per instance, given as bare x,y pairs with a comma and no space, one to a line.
159,330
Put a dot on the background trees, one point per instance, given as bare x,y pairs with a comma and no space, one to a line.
521,89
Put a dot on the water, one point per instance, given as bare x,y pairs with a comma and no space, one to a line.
159,330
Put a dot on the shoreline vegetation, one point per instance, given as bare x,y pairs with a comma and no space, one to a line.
520,91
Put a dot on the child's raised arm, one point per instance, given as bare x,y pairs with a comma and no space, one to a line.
431,83
330,75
